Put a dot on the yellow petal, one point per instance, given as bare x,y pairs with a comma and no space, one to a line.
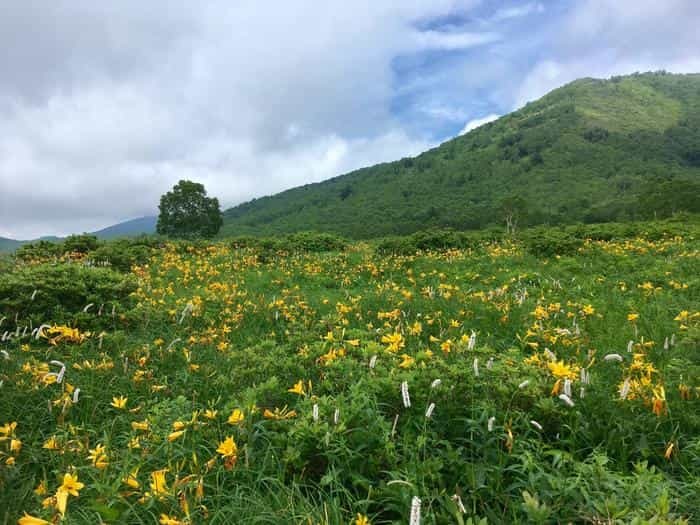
174,435
31,520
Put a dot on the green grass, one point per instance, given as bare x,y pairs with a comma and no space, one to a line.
266,315
626,106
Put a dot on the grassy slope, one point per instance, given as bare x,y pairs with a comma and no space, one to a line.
592,150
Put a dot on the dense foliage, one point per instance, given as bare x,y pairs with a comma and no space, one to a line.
594,151
119,254
186,212
60,292
550,377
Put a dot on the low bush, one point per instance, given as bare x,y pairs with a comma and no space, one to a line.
436,240
59,292
313,242
39,251
304,242
80,243
123,254
543,242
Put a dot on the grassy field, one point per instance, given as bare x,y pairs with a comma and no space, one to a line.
498,382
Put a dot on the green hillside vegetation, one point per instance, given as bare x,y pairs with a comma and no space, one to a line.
627,148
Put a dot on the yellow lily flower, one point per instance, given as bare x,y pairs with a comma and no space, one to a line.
32,520
61,501
228,447
236,416
119,402
159,485
174,435
298,388
71,485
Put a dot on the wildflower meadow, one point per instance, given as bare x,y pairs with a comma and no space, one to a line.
550,377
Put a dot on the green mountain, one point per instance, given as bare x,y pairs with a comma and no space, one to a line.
594,151
129,228
8,245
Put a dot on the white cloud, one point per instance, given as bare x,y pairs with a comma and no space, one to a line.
601,38
116,103
473,124
517,11
449,40
83,162
445,113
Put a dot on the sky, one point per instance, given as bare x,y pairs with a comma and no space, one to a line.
104,106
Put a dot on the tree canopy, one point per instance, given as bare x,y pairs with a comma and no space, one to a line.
187,212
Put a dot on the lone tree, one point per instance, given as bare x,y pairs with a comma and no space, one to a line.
187,212
514,210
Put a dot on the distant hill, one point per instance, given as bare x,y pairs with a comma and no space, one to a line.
8,245
593,150
130,228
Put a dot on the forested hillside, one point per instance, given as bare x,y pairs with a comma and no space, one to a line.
594,151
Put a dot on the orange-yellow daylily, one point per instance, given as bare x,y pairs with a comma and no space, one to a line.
98,457
669,451
131,480
174,435
298,388
279,413
71,485
61,501
140,425
228,447
167,520
229,451
361,519
31,520
236,417
159,485
119,402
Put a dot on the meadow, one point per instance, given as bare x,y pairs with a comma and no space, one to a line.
551,377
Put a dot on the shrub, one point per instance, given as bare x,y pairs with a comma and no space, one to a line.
313,242
542,242
307,242
123,254
396,246
39,251
61,291
436,240
80,243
